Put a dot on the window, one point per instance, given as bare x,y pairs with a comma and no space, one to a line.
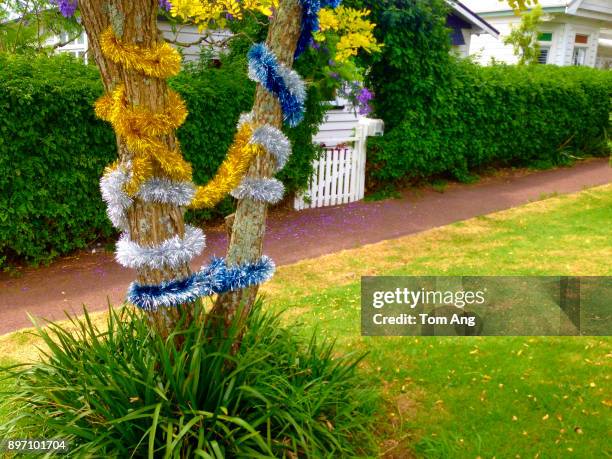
581,39
545,36
544,53
579,57
581,43
545,41
81,39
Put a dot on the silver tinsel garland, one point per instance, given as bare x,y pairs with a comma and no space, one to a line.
117,201
158,190
294,82
166,191
274,142
268,190
245,118
172,253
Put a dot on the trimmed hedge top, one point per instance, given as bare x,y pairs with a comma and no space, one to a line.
537,116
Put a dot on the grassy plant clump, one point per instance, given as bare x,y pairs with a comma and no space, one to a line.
126,392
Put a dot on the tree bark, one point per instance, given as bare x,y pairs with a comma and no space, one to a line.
249,224
135,21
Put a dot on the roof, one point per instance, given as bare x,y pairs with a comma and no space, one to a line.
593,9
472,18
496,7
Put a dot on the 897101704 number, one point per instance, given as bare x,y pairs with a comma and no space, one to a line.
29,445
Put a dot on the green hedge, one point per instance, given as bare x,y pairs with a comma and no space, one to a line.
498,116
53,150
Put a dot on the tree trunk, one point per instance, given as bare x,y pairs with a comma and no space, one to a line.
249,224
135,21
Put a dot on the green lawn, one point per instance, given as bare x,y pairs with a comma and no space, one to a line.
468,397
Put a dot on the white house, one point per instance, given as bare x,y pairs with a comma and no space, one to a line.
573,32
464,24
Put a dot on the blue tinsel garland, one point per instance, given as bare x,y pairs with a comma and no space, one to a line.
213,279
285,84
310,21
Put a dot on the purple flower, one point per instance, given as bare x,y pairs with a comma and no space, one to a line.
66,7
365,109
335,75
365,95
363,99
165,5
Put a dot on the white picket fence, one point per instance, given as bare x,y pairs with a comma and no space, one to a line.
339,174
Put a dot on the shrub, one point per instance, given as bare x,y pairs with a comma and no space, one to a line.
498,116
126,392
53,150
448,117
415,61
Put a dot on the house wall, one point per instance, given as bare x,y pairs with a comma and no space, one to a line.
485,47
190,34
579,26
339,123
464,50
78,48
593,8
563,27
604,55
484,6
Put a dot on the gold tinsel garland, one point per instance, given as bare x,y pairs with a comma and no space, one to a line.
231,171
143,130
159,61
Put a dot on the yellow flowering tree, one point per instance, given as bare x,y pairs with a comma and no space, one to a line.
355,33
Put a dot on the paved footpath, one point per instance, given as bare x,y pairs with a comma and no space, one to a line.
95,279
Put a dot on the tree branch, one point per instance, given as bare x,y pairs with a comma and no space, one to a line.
207,39
64,43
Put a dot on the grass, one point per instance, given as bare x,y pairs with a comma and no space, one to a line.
467,397
470,397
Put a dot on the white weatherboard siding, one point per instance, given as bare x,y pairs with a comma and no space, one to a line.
564,19
594,9
464,50
182,34
485,47
190,34
487,6
338,124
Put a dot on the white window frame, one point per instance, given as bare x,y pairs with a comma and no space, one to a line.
546,48
581,49
546,45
